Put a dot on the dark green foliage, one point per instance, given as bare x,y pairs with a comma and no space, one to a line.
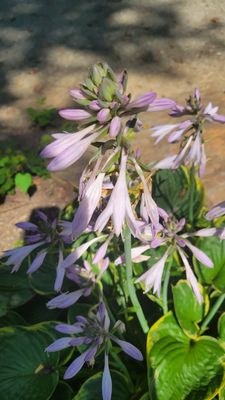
17,167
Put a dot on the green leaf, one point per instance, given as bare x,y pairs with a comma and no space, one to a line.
42,281
221,327
215,249
7,186
14,289
23,181
92,388
172,191
145,397
63,392
26,371
187,308
180,368
222,393
12,319
78,309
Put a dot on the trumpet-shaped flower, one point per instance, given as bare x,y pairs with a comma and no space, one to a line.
118,207
94,333
189,133
41,234
170,235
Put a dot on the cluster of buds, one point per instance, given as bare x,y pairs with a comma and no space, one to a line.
102,108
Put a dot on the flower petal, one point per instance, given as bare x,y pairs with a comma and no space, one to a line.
200,255
74,114
128,348
59,344
37,262
76,366
106,381
68,329
216,211
65,300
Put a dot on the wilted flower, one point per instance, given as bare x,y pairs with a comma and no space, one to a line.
94,333
189,133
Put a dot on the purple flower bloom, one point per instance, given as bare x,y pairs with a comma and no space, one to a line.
69,147
94,333
142,101
161,104
17,256
84,277
169,234
78,252
216,212
115,126
88,204
189,133
153,277
119,196
149,209
75,115
41,234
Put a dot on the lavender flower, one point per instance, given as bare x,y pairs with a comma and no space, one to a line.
89,202
43,234
216,212
189,133
94,333
84,277
169,234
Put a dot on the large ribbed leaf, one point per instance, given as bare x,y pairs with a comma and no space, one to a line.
92,388
27,372
221,327
215,249
176,190
15,289
42,281
187,308
180,368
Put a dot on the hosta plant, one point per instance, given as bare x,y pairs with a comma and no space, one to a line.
120,296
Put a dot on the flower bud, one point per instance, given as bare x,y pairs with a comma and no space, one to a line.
90,85
97,74
115,126
107,89
103,115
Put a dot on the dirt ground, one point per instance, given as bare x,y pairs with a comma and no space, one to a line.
167,46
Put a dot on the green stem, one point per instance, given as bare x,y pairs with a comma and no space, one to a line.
130,285
192,186
165,287
212,312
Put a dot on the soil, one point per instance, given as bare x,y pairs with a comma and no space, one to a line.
167,46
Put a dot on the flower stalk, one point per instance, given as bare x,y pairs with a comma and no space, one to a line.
212,312
130,285
165,286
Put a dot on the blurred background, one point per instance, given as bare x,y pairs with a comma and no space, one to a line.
47,46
